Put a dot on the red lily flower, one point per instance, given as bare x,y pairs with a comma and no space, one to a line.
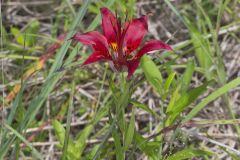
119,42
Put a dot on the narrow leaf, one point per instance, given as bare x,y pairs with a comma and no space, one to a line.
152,74
169,81
214,95
187,154
80,143
185,100
34,151
18,35
144,107
187,76
151,149
130,132
31,31
59,130
117,142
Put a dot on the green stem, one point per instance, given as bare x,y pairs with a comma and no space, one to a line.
121,99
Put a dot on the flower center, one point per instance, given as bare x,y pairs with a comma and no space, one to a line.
114,46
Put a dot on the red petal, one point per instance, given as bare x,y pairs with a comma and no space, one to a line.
152,46
132,66
94,39
109,25
136,30
96,56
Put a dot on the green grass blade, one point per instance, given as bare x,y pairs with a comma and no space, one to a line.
187,76
117,142
19,36
188,154
202,48
169,81
144,107
104,140
175,96
69,115
185,100
82,140
219,65
175,10
10,118
129,132
69,4
222,7
52,78
151,149
35,153
219,92
59,131
62,52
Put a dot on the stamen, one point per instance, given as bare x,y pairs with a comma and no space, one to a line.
114,46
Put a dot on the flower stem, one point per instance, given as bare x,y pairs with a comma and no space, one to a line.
121,98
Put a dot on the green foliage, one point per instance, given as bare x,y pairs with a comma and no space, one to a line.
59,130
187,76
173,82
188,153
129,132
27,37
151,149
35,153
152,74
202,48
69,115
31,31
4,35
49,84
81,140
183,101
180,98
214,95
119,150
144,107
169,81
75,147
19,36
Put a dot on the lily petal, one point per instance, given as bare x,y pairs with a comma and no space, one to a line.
152,46
109,25
148,47
94,39
96,56
135,31
132,66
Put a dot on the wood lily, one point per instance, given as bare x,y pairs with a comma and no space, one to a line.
119,42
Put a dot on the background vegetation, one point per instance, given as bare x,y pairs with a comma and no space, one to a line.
185,103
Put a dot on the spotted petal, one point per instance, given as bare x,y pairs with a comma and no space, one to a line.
135,31
109,25
97,41
152,45
96,56
148,47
